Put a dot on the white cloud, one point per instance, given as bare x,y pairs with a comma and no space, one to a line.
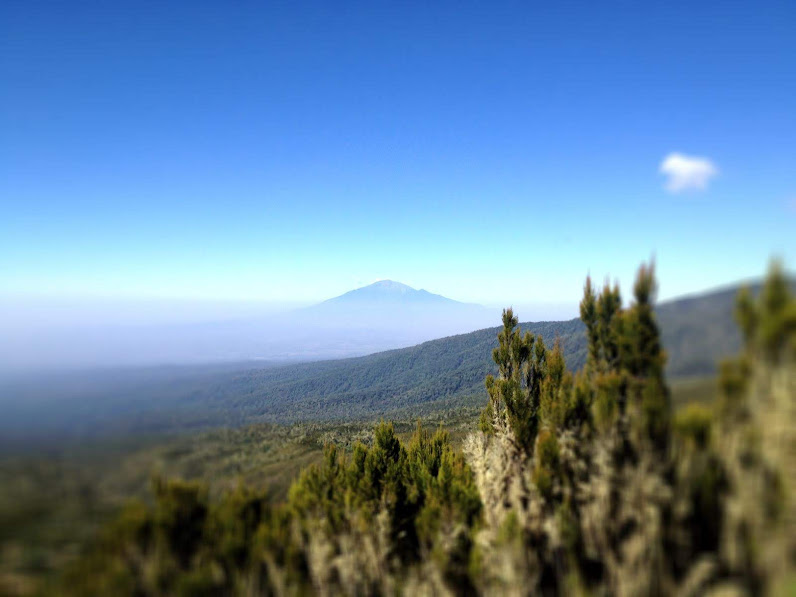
685,172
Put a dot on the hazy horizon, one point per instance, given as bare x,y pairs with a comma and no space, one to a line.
73,335
310,150
24,309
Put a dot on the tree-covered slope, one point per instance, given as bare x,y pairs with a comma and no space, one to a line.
439,374
698,331
382,383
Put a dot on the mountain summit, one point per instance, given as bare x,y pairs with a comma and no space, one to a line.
381,316
388,291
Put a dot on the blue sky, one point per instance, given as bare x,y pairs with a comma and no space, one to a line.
490,152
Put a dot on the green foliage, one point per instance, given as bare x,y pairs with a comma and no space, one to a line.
581,399
448,501
655,413
514,396
189,545
568,526
643,355
320,490
733,383
172,537
627,359
559,407
746,314
546,457
180,517
234,523
588,315
608,390
769,324
486,420
777,314
693,424
510,531
609,304
547,450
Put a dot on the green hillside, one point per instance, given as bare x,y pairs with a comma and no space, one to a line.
697,332
429,378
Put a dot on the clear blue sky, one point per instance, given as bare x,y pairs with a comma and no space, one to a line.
491,152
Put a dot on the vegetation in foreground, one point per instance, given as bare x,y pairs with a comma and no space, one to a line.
573,483
55,499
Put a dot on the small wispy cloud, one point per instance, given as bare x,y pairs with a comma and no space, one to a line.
687,173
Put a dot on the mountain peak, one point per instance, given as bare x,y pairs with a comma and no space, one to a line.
389,286
387,292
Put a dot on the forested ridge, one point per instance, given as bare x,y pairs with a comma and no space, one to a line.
418,381
575,482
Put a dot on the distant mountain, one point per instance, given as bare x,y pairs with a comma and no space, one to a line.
389,314
387,297
389,292
446,373
378,317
